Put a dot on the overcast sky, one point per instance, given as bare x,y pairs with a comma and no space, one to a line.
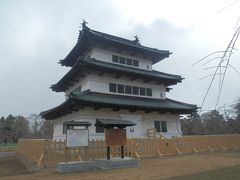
36,34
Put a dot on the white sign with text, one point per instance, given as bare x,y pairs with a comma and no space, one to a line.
77,137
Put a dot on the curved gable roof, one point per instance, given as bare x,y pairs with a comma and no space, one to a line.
88,98
88,36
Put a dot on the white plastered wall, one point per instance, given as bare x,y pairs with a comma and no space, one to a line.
96,83
173,123
143,122
106,55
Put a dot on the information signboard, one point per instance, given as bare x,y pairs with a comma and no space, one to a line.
115,137
77,137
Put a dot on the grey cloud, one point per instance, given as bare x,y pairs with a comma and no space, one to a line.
186,51
35,35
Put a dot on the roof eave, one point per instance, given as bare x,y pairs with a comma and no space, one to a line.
75,100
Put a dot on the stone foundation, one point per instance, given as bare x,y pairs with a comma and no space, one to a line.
101,164
76,166
115,163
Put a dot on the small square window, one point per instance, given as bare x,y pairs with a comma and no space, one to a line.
64,128
128,89
99,129
164,126
135,90
112,87
120,88
115,59
160,126
149,91
142,91
135,63
157,126
122,60
129,62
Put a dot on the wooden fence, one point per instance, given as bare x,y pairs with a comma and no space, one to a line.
49,152
190,144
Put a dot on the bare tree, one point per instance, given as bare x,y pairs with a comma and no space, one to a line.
223,59
36,123
46,129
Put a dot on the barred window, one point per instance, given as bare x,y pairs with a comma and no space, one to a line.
135,63
115,59
112,87
128,89
120,88
129,62
123,60
135,90
142,91
149,91
160,126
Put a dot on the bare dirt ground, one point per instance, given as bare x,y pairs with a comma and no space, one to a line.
150,169
11,166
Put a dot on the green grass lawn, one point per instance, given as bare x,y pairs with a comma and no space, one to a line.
8,145
228,173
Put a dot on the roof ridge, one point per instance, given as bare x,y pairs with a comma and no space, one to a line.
114,36
187,104
128,40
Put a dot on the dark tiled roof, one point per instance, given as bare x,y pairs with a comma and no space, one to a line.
86,63
132,101
100,100
126,42
78,123
107,123
88,37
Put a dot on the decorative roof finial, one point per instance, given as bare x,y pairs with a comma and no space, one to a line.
136,40
84,23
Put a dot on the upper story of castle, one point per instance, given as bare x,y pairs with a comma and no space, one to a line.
109,64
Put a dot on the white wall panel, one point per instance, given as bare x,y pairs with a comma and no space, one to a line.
144,121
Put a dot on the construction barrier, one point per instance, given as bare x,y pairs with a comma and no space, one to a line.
50,152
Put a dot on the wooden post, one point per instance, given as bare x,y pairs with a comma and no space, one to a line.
122,152
66,154
178,151
40,161
108,152
159,153
195,150
86,153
